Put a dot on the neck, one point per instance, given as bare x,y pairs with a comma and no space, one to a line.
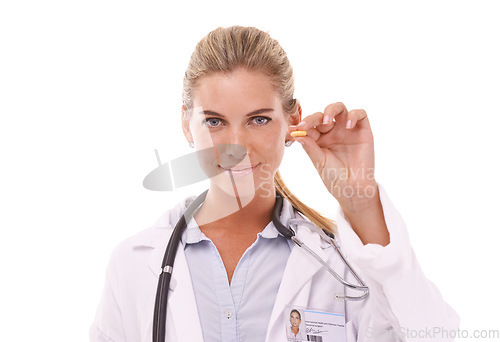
226,211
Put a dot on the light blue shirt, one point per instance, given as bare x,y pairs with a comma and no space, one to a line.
239,312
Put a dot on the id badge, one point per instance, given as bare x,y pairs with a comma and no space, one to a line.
313,325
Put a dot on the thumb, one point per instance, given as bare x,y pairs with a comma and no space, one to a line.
312,149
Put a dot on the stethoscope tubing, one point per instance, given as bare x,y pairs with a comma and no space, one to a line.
160,312
363,287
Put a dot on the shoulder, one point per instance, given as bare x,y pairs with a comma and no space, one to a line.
156,234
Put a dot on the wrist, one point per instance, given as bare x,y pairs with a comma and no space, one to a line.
359,198
366,216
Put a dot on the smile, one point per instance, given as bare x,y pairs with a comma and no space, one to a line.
241,171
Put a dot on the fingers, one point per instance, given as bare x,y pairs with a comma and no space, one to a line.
336,111
349,119
313,150
354,116
313,133
311,121
335,114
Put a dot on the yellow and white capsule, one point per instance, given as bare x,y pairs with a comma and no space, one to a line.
298,133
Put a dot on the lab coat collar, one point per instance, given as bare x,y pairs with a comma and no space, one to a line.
181,295
152,236
157,235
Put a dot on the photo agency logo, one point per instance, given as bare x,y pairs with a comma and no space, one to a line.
431,333
228,167
350,182
195,167
219,163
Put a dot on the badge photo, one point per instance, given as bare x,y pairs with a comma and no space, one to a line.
313,325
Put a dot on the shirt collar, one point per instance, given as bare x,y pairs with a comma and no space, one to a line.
192,234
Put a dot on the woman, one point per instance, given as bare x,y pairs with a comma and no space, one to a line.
294,333
234,274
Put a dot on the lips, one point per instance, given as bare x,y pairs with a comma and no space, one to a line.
241,171
240,168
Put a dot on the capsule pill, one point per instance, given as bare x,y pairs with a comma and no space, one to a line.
298,134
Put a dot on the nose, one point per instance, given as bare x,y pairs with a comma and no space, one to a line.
235,150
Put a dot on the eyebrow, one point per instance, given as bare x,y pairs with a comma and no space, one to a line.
258,111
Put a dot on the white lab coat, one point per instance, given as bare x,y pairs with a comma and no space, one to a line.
401,298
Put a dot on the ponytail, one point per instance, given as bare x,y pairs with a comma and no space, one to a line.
314,216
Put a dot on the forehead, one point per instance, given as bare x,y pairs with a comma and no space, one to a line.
238,89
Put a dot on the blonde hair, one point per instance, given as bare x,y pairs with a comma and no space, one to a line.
226,49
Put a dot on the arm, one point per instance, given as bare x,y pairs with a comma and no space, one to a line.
402,300
340,145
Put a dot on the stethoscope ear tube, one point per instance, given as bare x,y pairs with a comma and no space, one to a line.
286,232
160,312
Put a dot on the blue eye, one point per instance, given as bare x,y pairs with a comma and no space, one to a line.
261,120
215,122
211,122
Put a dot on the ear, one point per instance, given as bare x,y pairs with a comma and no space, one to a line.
185,124
294,120
296,117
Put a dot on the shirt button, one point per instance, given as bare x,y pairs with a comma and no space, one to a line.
229,314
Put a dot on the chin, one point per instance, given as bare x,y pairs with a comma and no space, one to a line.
245,188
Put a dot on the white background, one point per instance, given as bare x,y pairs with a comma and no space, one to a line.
88,90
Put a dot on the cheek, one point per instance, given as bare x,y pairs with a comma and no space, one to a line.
272,140
201,136
271,153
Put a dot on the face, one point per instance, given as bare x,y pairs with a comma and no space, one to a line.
295,319
240,116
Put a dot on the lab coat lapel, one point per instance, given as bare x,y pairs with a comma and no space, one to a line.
182,308
300,268
182,302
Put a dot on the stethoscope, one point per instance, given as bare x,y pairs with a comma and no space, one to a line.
160,312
